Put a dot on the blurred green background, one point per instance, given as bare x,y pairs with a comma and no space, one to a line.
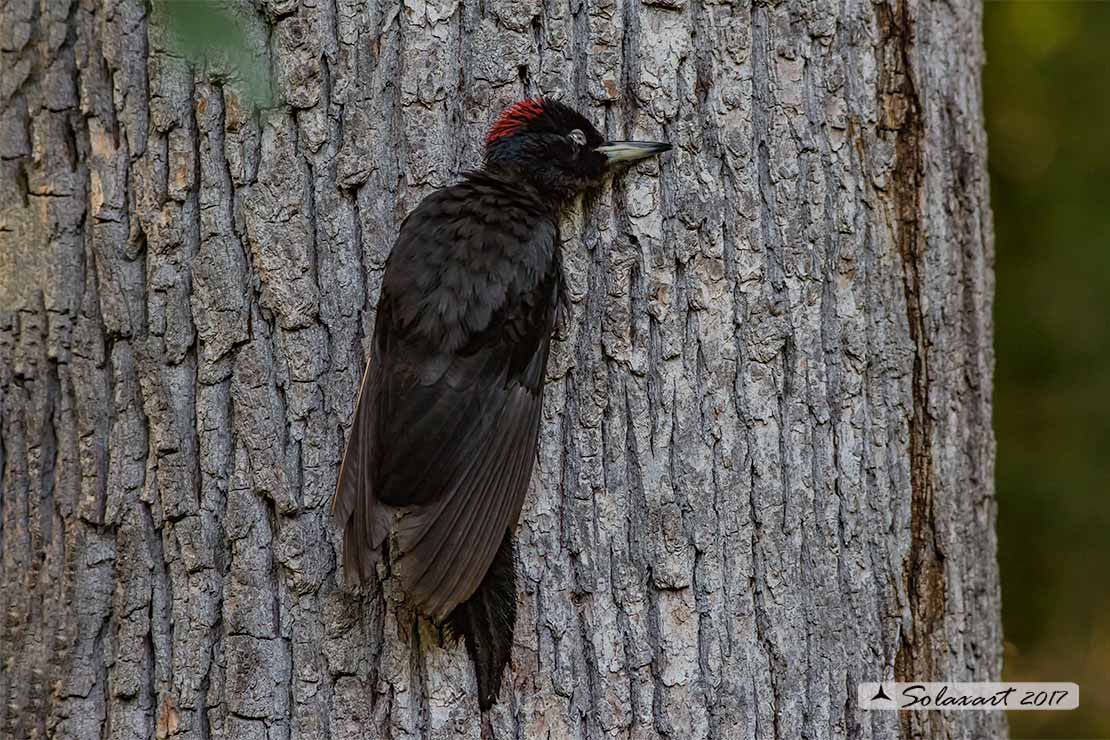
1047,96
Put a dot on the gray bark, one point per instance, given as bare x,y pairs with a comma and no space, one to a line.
766,464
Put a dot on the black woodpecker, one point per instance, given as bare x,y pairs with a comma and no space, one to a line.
444,433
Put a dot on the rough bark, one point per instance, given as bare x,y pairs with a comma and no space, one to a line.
766,463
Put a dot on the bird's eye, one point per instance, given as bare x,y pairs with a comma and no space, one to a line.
577,137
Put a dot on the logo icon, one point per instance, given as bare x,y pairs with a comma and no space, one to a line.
881,695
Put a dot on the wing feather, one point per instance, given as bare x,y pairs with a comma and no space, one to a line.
447,551
365,523
444,435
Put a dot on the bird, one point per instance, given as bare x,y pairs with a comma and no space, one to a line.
443,437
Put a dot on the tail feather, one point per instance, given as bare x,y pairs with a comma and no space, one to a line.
485,622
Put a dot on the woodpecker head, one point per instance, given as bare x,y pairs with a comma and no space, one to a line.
555,148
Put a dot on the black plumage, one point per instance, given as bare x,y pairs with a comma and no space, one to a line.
445,428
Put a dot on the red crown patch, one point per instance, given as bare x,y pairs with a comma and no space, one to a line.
513,118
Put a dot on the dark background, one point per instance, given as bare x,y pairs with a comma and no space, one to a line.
1047,96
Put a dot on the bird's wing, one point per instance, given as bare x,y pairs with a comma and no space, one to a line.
446,425
471,445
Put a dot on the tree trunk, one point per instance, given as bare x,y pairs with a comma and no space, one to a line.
766,463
